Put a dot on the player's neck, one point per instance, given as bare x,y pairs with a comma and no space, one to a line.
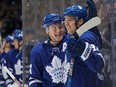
54,43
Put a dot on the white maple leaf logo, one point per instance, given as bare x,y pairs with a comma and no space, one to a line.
18,67
58,71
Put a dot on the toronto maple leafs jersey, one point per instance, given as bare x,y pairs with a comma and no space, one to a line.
9,63
18,65
50,64
2,80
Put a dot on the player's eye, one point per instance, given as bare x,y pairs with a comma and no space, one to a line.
60,27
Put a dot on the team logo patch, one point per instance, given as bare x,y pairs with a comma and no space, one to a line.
58,71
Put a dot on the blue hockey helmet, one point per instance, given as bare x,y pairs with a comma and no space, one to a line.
76,11
9,39
18,36
52,19
16,31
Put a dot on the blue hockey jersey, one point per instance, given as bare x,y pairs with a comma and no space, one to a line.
2,80
50,64
9,63
18,65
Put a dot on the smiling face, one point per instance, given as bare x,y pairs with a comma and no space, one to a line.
56,33
17,44
70,23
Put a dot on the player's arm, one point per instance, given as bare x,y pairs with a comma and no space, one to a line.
35,79
8,62
8,79
92,12
87,51
93,59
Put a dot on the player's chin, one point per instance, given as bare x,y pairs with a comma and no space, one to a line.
59,38
69,30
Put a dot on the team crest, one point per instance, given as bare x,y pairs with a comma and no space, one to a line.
58,71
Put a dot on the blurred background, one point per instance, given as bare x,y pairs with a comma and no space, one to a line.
28,15
10,16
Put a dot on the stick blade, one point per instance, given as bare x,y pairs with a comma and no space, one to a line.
88,25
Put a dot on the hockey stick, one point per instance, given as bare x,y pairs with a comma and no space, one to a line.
11,75
95,21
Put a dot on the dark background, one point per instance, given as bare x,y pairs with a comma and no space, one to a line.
10,16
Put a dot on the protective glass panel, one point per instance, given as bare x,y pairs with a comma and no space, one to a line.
34,12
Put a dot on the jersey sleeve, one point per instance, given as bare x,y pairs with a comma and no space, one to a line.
91,54
35,79
7,62
95,60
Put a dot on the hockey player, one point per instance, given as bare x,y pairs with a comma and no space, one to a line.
13,61
50,60
7,46
18,64
48,53
74,17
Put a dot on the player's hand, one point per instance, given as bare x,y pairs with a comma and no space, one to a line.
92,9
13,85
75,47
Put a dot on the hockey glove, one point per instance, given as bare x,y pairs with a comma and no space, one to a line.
93,13
92,9
75,47
80,48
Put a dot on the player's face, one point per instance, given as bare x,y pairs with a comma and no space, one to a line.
16,44
56,33
7,44
70,23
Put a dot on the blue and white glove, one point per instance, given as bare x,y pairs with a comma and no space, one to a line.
92,9
13,85
80,48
